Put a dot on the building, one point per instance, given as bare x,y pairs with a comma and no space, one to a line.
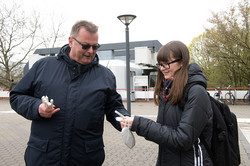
113,56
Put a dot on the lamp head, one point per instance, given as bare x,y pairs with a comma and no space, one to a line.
126,19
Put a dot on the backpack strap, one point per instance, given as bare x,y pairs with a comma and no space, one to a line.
186,91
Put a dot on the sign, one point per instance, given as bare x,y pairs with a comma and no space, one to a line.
140,80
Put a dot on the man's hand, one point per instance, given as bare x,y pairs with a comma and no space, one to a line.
47,112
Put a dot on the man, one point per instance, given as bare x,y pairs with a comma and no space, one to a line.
83,91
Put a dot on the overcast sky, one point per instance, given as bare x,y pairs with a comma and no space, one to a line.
162,20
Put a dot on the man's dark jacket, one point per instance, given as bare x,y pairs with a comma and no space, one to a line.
84,93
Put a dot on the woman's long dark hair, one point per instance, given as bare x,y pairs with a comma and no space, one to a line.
173,50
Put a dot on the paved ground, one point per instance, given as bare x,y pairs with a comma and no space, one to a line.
14,133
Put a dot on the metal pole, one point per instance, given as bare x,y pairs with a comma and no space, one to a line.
128,70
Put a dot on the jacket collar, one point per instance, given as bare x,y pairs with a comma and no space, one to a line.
73,65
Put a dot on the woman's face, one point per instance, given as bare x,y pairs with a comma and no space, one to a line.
168,69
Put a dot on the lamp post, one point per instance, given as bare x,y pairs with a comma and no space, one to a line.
126,20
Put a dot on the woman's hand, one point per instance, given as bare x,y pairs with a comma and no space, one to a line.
129,121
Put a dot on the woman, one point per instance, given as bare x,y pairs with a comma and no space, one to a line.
178,126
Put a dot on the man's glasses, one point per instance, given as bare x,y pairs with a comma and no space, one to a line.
166,65
87,46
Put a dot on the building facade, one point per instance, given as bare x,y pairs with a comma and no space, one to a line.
113,56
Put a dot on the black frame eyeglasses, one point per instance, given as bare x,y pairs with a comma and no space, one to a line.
87,46
166,65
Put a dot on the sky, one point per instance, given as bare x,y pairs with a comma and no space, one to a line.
162,20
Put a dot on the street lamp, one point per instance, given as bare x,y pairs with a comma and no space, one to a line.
126,20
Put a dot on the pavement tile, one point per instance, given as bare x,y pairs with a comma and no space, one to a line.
15,133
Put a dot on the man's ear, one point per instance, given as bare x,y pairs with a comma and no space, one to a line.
70,41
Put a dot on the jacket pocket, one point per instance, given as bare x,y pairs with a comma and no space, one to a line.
38,144
94,145
35,153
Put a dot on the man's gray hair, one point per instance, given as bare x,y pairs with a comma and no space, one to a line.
88,26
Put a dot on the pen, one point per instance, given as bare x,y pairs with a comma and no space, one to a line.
118,113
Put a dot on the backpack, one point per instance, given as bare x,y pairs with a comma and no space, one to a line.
224,149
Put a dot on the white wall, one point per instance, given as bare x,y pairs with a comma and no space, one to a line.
4,93
139,94
239,94
144,55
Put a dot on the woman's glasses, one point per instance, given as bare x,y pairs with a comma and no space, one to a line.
87,46
166,65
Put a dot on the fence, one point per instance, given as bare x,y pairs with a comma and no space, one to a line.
146,94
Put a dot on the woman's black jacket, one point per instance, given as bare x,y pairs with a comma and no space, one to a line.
177,129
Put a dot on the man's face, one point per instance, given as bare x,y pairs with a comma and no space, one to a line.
77,53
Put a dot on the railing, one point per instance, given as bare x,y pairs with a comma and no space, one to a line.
144,94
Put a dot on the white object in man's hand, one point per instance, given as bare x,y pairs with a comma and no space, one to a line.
45,101
46,109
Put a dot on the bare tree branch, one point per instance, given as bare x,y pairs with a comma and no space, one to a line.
19,36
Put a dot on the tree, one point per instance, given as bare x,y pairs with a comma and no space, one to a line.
201,56
52,36
17,33
227,44
19,36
